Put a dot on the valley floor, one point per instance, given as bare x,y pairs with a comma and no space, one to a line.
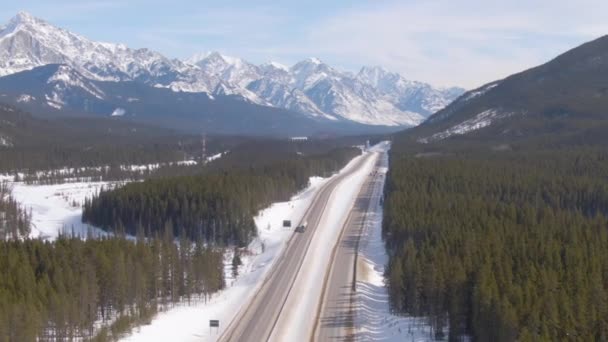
57,209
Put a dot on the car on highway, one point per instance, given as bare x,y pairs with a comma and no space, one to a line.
301,228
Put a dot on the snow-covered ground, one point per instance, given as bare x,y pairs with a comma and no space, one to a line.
373,320
191,323
216,156
298,322
57,208
72,171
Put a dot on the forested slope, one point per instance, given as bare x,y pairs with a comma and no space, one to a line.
501,245
28,143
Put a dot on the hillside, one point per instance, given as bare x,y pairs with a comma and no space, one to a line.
32,143
496,207
565,96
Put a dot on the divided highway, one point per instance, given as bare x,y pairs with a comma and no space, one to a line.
336,318
257,320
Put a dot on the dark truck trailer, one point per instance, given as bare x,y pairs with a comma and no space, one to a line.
301,228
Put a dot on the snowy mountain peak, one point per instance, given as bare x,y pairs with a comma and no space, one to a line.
275,65
314,60
232,60
373,96
21,20
309,64
216,57
374,75
231,70
29,42
197,57
216,63
23,16
310,71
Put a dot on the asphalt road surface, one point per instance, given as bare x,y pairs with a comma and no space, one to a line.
256,322
336,318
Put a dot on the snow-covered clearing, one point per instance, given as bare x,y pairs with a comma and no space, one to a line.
373,320
119,112
5,141
191,323
57,208
216,156
74,171
298,321
24,98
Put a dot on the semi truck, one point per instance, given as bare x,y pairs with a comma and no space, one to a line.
301,228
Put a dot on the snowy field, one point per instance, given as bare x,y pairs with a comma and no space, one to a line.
374,321
57,208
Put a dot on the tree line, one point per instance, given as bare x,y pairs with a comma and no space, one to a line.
97,289
14,220
216,206
501,246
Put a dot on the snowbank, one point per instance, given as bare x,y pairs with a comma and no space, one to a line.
373,320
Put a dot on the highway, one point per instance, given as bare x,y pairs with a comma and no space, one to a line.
257,320
335,321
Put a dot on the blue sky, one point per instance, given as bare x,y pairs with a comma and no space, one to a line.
444,42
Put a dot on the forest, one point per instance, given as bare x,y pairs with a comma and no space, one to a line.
217,205
500,246
37,144
97,289
14,220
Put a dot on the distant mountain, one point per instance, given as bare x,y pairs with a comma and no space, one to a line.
315,88
20,130
58,90
320,92
564,96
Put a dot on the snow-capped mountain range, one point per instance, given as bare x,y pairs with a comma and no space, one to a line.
373,96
